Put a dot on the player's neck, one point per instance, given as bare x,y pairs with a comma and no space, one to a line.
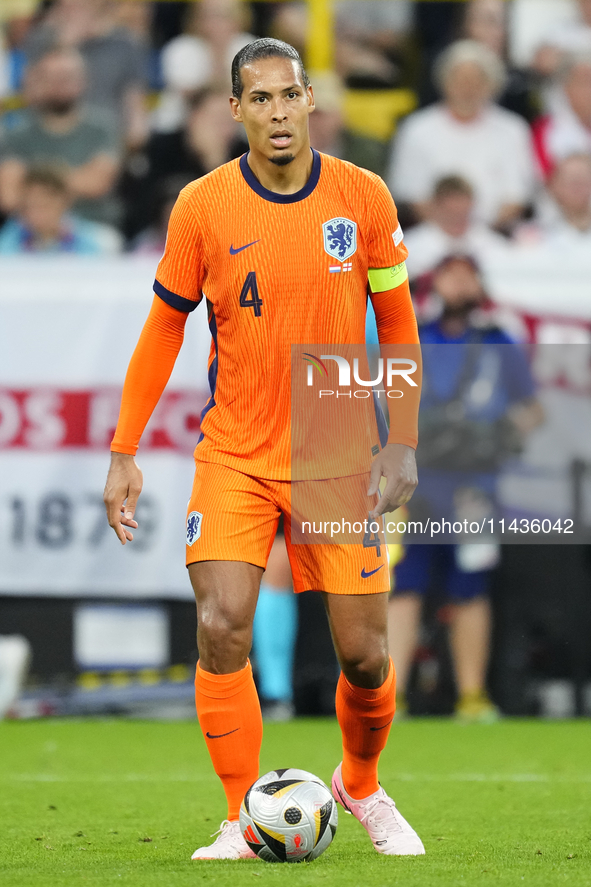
288,179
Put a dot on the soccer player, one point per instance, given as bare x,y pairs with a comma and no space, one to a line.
249,237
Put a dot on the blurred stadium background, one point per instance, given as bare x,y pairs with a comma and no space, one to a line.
134,96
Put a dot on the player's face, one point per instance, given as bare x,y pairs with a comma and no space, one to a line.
274,108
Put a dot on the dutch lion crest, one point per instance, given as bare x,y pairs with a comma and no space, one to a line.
194,527
340,238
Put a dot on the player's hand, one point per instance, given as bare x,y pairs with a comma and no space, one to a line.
396,462
122,490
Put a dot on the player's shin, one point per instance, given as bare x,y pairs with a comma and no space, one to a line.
230,717
365,717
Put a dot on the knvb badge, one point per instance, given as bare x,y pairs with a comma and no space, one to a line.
194,526
340,238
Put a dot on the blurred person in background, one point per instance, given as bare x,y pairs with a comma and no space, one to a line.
42,222
16,18
215,30
567,128
329,134
290,23
136,16
15,655
449,228
4,68
466,134
207,138
370,46
486,21
462,572
58,128
563,212
274,634
569,32
115,58
151,239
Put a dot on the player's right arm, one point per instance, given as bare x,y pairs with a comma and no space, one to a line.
148,372
178,288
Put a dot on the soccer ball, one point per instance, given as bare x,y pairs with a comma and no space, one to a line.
288,816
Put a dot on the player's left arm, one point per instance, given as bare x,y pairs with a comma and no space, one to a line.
400,350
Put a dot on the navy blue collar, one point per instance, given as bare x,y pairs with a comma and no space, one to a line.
273,196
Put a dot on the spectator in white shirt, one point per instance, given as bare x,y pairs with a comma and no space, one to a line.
563,212
449,229
567,128
565,36
487,21
200,57
466,134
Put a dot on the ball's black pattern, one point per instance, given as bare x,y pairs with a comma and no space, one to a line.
292,815
325,814
272,788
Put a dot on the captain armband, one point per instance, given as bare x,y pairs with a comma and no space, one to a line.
382,279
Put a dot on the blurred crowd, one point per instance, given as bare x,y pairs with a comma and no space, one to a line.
111,106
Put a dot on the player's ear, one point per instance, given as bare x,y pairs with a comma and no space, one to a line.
311,102
235,110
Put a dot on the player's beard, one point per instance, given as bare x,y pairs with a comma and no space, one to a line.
282,159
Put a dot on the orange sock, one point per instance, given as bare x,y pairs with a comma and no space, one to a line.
364,717
229,714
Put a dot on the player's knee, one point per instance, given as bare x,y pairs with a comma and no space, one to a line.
366,668
224,642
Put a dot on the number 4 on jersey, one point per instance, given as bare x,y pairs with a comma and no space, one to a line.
250,286
372,540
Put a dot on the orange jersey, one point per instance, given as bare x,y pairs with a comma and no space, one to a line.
276,270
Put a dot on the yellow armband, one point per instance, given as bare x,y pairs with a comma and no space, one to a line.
382,279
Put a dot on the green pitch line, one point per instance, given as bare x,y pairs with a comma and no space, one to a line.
105,802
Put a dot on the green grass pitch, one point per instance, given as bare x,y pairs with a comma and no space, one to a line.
105,802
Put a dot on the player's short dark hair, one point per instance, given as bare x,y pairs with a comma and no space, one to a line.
265,48
449,186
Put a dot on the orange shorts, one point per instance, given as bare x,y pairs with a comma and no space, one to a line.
233,517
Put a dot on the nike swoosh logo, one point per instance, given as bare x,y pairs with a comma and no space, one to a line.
239,249
383,727
365,575
219,735
341,800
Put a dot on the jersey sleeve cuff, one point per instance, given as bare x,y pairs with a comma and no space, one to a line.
406,439
174,300
125,449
